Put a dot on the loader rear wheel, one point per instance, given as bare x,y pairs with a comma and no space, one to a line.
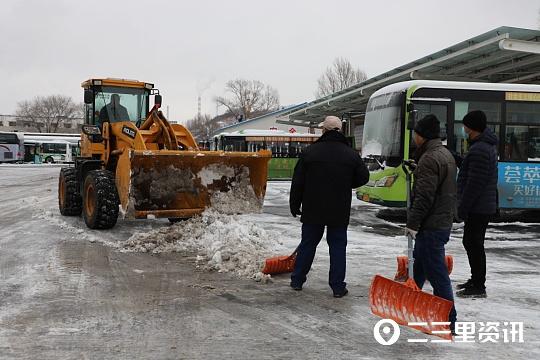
100,200
69,197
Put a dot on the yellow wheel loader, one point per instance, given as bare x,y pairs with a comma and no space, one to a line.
134,162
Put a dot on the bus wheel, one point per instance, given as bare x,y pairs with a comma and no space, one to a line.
100,200
69,197
49,160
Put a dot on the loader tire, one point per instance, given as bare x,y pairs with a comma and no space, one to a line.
100,200
69,196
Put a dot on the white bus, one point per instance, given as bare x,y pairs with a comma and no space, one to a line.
52,147
11,146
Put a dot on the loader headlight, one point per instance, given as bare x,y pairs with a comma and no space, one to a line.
91,130
96,82
386,181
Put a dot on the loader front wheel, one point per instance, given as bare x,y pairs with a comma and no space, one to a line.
100,200
69,197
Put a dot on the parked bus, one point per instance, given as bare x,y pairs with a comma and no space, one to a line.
11,146
513,113
285,147
51,147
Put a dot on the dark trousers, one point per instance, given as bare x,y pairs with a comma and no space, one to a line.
430,264
336,236
474,235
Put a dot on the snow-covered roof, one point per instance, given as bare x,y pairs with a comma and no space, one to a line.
258,118
256,132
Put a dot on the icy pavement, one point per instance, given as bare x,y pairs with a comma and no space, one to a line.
70,292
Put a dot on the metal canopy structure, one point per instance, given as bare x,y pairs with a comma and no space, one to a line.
505,55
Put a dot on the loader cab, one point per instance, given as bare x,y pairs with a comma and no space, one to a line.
116,100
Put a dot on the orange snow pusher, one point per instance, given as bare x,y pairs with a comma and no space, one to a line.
403,267
280,264
406,303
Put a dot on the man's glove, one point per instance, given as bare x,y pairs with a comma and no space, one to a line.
295,212
411,232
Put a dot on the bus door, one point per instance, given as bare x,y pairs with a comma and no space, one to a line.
440,107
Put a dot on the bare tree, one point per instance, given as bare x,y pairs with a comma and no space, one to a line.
202,127
248,97
46,113
339,76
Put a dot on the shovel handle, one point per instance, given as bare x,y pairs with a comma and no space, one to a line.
410,248
294,253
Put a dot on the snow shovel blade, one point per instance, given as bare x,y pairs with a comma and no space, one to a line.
279,264
403,267
180,184
406,303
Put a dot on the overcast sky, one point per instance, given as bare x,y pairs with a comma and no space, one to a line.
192,47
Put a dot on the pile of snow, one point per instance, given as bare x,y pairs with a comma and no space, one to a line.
240,199
226,243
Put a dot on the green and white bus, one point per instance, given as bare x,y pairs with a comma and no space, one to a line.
512,110
51,147
286,147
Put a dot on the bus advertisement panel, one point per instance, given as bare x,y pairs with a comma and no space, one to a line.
519,185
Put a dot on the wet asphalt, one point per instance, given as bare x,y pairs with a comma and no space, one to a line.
64,297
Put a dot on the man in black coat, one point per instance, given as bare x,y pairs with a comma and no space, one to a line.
477,198
323,178
431,213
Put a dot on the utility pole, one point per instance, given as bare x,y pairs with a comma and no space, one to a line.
199,107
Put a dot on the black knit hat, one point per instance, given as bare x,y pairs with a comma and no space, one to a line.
475,120
428,127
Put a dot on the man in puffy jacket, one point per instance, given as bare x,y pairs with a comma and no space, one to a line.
477,198
323,178
431,213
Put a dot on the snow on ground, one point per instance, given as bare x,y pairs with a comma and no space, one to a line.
226,243
239,243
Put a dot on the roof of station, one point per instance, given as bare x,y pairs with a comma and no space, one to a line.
502,55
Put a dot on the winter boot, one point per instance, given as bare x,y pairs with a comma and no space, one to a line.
465,285
472,292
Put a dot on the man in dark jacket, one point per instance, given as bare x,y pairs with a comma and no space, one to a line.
431,213
477,198
113,111
321,193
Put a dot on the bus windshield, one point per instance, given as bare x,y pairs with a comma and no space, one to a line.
116,104
382,127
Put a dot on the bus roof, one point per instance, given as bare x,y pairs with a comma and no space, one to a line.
256,132
404,85
45,141
53,137
52,134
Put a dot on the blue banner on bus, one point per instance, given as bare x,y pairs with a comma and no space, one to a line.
519,185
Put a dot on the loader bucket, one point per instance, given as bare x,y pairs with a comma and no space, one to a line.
407,305
403,267
180,184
